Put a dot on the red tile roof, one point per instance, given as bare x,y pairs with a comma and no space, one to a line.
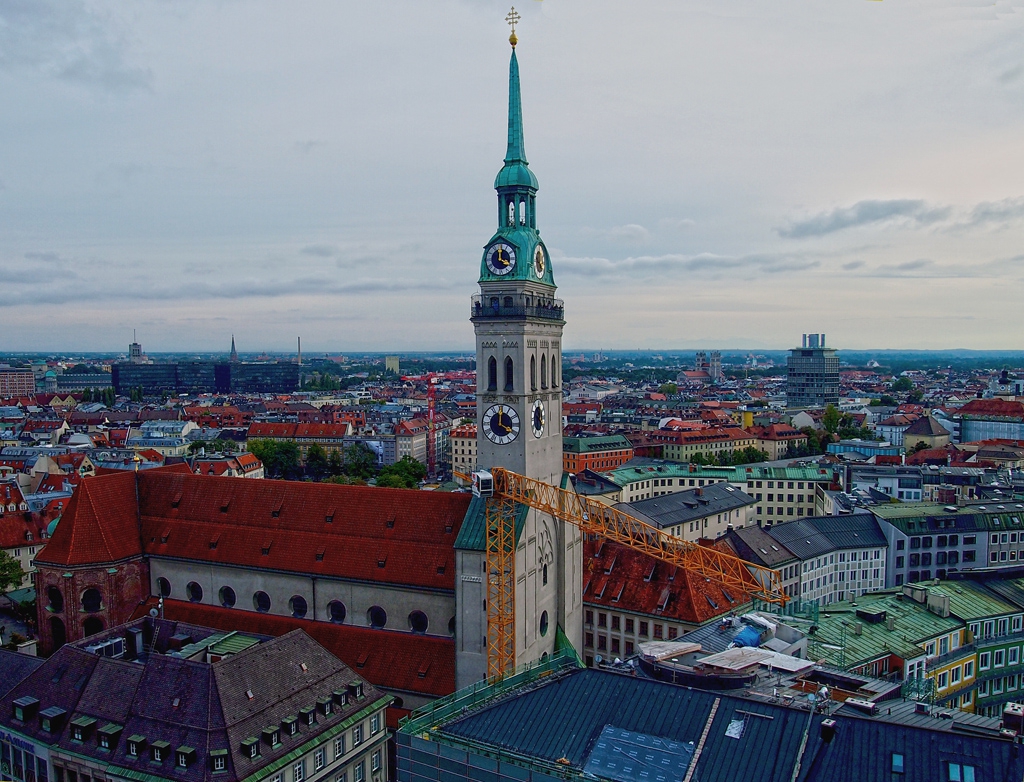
1000,408
672,593
421,664
100,525
395,536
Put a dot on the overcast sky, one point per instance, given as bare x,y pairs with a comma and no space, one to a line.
714,173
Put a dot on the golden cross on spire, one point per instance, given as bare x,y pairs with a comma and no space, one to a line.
512,18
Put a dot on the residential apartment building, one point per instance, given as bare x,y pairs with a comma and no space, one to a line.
595,453
841,557
16,382
930,541
900,483
781,493
710,442
159,700
754,544
462,444
630,598
695,514
330,437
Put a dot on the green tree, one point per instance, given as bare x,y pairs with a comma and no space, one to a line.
196,446
280,459
335,466
406,473
902,385
11,574
831,419
360,461
669,389
316,462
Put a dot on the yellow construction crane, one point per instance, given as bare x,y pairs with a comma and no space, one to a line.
503,490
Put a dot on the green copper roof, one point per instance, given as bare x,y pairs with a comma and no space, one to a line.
516,171
968,600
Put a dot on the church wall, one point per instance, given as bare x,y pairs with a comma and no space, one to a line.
121,589
471,629
317,591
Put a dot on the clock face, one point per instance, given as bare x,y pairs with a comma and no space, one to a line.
501,424
538,419
501,258
539,262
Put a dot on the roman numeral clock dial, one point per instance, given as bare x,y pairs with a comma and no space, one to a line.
501,424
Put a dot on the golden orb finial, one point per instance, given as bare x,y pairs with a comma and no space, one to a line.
512,18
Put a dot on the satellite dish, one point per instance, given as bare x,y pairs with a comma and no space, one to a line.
599,659
154,613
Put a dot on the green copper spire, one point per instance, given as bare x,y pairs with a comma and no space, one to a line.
516,172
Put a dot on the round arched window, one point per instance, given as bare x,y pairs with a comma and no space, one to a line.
163,587
194,592
377,617
297,605
336,611
261,602
56,599
227,597
91,600
451,625
418,622
544,623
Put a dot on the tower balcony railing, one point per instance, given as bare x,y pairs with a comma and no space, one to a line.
505,307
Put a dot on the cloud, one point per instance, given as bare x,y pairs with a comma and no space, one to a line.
676,223
320,250
630,233
309,145
69,41
911,211
1008,210
683,264
45,257
853,265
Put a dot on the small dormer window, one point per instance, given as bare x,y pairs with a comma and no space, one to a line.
291,725
158,750
184,756
219,760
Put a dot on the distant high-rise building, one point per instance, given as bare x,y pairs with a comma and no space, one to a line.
135,354
391,364
812,374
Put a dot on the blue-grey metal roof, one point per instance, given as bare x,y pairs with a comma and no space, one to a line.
816,535
560,720
685,506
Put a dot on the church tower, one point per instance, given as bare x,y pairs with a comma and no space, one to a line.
518,325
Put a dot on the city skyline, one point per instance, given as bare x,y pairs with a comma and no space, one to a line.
199,170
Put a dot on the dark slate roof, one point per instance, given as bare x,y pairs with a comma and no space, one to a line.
558,721
14,667
686,506
927,426
816,535
754,544
187,702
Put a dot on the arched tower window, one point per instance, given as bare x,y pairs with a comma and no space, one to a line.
492,374
543,371
522,211
511,213
533,373
509,375
554,370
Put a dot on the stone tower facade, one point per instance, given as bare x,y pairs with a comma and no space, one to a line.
518,325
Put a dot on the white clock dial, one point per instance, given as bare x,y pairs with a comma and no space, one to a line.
539,262
501,424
